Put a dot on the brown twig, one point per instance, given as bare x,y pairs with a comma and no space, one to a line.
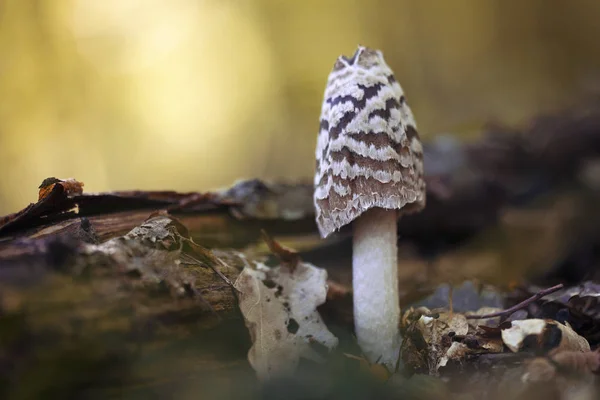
519,306
287,256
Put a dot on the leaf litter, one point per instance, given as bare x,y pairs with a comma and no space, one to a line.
279,306
490,347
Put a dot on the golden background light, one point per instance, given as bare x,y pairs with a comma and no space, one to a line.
192,95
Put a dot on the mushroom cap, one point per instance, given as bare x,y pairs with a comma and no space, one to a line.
368,150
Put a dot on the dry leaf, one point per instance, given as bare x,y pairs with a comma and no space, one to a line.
434,329
435,332
549,334
435,339
70,185
456,352
286,255
279,307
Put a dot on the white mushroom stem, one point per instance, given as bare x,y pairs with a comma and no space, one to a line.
375,286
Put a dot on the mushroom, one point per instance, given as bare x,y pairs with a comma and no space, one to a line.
369,171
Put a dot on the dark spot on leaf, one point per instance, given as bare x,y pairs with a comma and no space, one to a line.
270,283
292,326
530,343
277,334
551,337
279,291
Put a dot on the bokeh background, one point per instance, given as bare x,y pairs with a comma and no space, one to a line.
195,94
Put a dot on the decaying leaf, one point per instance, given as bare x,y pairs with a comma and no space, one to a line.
539,334
287,256
279,307
71,186
457,351
433,339
435,331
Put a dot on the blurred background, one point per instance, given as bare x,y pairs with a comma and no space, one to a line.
196,94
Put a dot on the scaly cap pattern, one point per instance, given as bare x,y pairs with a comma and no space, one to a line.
368,150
